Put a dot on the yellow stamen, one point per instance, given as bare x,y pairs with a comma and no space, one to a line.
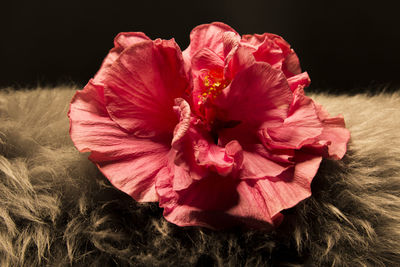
213,87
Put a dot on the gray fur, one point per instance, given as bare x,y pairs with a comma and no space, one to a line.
56,209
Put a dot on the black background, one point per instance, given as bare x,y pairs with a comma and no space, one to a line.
342,44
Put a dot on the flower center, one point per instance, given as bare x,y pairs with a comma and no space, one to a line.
213,86
213,83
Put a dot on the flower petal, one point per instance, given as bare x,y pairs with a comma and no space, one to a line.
197,154
301,79
240,59
257,166
141,87
131,164
268,51
202,204
207,60
285,193
223,160
185,168
218,202
214,202
335,132
231,42
274,50
209,36
122,41
291,64
136,175
258,93
182,108
301,127
252,208
254,40
264,199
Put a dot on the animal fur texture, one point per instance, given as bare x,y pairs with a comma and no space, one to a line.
56,209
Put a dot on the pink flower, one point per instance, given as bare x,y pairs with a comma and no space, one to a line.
220,136
125,116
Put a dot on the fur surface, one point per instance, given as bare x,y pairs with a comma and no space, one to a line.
56,209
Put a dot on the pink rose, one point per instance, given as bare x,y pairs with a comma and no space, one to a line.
221,135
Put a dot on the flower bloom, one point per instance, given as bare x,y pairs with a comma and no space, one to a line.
220,135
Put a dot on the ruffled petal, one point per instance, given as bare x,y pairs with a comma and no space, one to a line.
197,154
185,170
254,40
240,59
204,203
262,200
131,164
252,208
334,133
268,51
258,162
280,194
214,202
290,137
274,50
205,59
259,166
284,194
231,41
122,41
222,160
301,127
301,79
127,39
209,36
182,109
258,93
141,87
136,175
218,202
291,64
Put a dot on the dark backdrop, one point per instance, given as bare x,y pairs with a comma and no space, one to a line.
342,44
